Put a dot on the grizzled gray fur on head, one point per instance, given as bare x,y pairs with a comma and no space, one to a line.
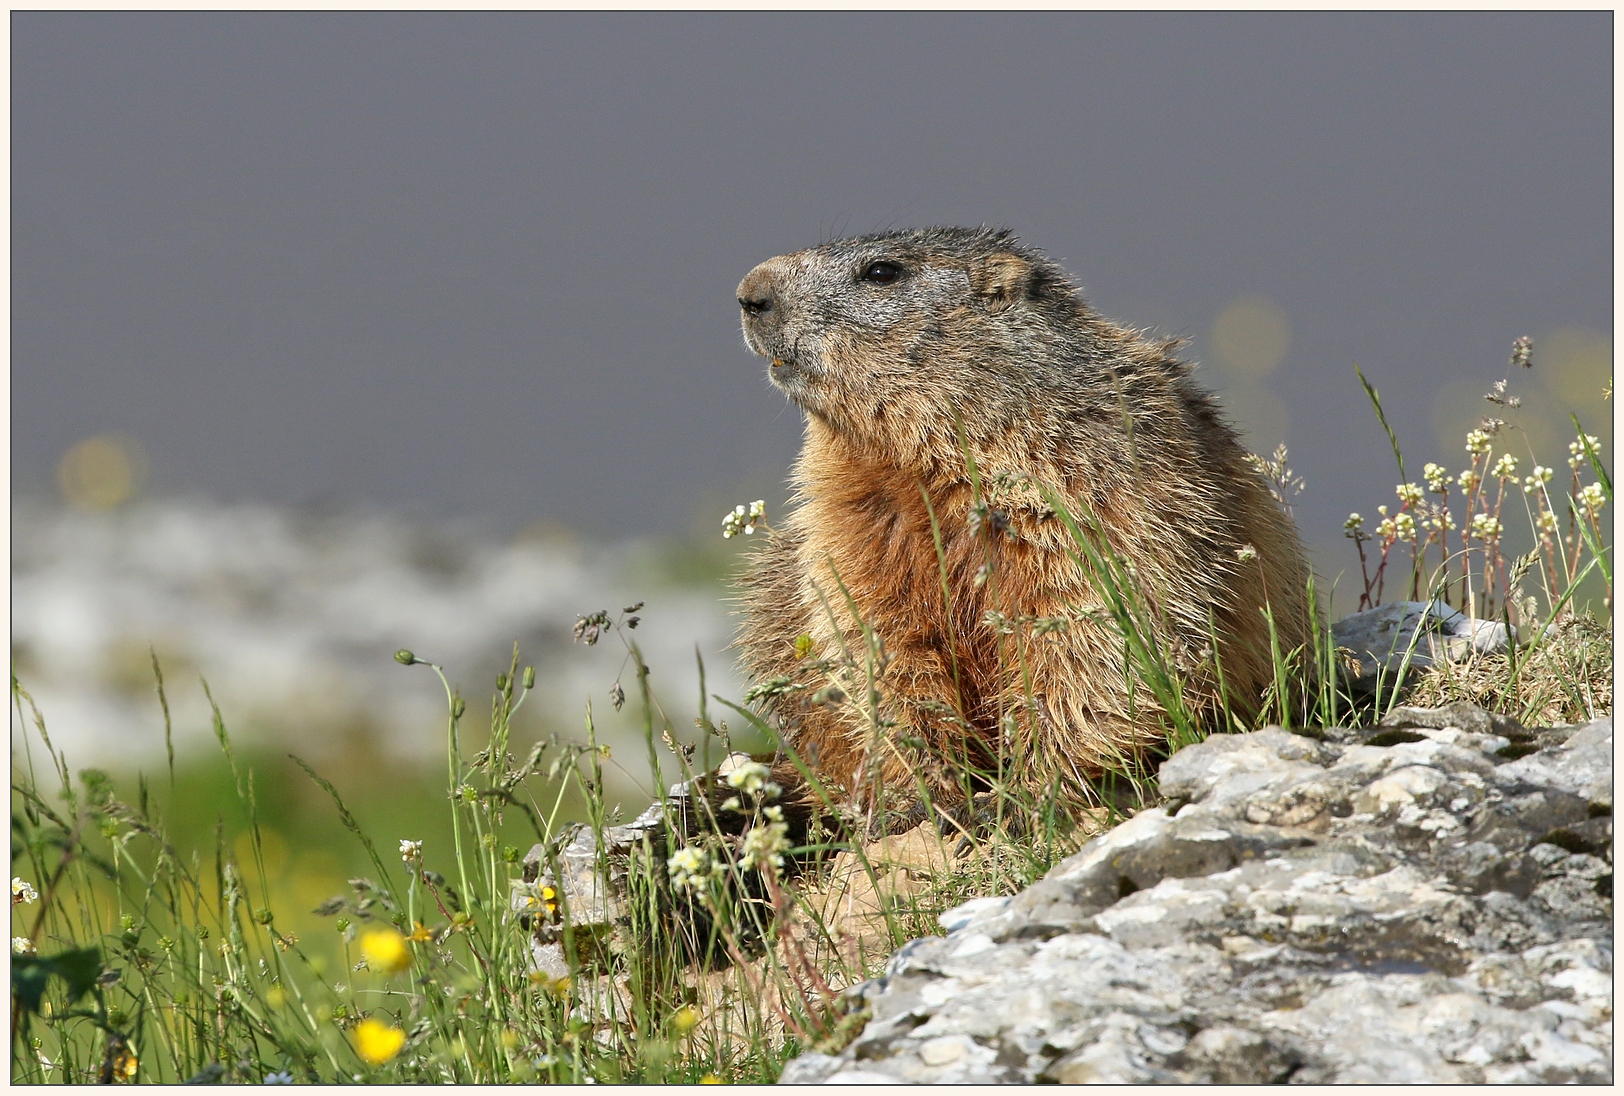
931,321
900,299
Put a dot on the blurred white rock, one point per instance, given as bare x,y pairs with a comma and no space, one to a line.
293,617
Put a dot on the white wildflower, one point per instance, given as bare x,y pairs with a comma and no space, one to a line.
691,867
1486,527
22,892
22,945
1409,493
1477,442
742,519
753,778
1437,477
1577,451
764,845
1593,498
1505,467
411,851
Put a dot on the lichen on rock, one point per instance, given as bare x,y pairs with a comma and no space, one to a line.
1417,902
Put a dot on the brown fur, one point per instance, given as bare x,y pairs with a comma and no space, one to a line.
982,347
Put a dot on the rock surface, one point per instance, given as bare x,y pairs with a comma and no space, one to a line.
1421,902
1405,637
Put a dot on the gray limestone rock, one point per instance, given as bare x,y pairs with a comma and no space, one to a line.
1423,910
1402,637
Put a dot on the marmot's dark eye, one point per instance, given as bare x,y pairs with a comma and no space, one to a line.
882,273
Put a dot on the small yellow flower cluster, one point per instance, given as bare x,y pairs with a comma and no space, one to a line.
1435,517
123,1060
691,868
1478,442
1409,494
1437,477
1486,527
1506,467
753,778
1395,527
558,987
766,845
1593,498
1578,448
1541,476
536,897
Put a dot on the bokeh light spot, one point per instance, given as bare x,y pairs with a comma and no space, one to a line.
101,472
1574,363
1251,336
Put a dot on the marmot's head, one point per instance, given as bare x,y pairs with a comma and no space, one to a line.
907,323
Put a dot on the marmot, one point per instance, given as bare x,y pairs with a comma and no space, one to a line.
926,614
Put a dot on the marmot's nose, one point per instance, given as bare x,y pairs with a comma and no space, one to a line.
758,293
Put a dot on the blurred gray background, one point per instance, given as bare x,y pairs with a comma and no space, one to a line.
484,264
481,267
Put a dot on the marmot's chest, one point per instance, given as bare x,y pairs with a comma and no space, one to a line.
907,557
876,534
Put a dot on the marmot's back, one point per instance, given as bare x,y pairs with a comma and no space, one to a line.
911,351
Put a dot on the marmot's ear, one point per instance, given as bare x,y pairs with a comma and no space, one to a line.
1000,279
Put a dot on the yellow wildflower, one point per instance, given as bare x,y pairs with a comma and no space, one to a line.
123,1060
684,1020
419,934
376,1042
385,951
711,1079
